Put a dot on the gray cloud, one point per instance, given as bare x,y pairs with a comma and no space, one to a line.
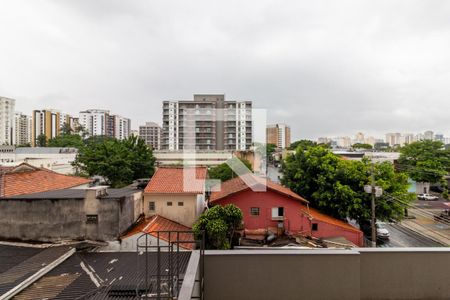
324,67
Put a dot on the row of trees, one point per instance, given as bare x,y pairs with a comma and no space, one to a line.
336,186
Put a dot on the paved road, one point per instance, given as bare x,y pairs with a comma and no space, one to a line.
404,237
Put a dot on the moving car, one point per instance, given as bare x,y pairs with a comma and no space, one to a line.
382,232
427,197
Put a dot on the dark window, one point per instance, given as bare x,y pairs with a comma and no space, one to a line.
169,203
315,227
151,206
280,211
180,203
91,219
254,211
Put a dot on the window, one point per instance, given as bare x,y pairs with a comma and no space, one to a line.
180,203
169,203
151,206
91,219
277,212
315,227
254,211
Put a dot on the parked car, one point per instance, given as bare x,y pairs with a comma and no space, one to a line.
382,232
427,197
436,189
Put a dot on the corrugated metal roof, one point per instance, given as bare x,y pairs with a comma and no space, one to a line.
74,193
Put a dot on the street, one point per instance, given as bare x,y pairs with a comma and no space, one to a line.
404,237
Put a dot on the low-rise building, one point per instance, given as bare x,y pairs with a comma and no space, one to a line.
279,209
52,158
95,213
176,193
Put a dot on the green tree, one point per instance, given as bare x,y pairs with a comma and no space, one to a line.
336,186
224,172
66,140
41,140
302,143
425,161
119,162
270,149
219,224
362,146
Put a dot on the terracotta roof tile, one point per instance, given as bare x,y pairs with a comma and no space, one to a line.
330,220
170,180
35,180
158,223
236,185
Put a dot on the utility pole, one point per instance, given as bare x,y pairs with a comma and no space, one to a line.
373,223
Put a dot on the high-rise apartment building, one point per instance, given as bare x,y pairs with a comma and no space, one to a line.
99,122
393,139
7,124
279,135
45,122
151,134
23,128
208,122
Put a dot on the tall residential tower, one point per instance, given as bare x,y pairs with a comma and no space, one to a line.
208,122
7,124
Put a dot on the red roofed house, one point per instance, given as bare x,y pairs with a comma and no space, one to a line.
176,193
279,207
153,225
27,179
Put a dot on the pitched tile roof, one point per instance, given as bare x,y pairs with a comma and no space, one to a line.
237,185
173,180
26,179
158,223
330,220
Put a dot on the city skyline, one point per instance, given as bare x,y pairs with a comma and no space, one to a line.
323,74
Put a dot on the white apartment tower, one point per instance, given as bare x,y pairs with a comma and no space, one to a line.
23,128
99,122
207,122
7,124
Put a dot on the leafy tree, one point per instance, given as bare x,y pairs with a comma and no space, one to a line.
66,129
219,224
120,162
362,146
336,186
66,140
302,143
270,148
224,172
41,140
425,161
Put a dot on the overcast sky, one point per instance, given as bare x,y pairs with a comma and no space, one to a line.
326,68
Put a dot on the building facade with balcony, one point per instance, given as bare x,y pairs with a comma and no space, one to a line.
99,122
23,125
7,124
151,134
279,135
208,122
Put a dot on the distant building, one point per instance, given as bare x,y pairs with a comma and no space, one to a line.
207,122
439,137
99,122
344,142
23,128
359,138
279,135
7,124
52,158
428,135
151,134
50,123
393,139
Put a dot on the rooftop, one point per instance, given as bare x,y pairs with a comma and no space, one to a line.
157,223
238,184
177,180
26,179
71,193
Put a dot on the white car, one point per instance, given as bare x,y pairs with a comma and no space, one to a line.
382,233
427,197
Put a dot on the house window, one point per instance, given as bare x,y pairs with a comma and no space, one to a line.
254,211
315,227
169,203
180,203
91,219
151,206
277,212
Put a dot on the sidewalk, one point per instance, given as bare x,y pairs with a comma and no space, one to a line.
429,228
